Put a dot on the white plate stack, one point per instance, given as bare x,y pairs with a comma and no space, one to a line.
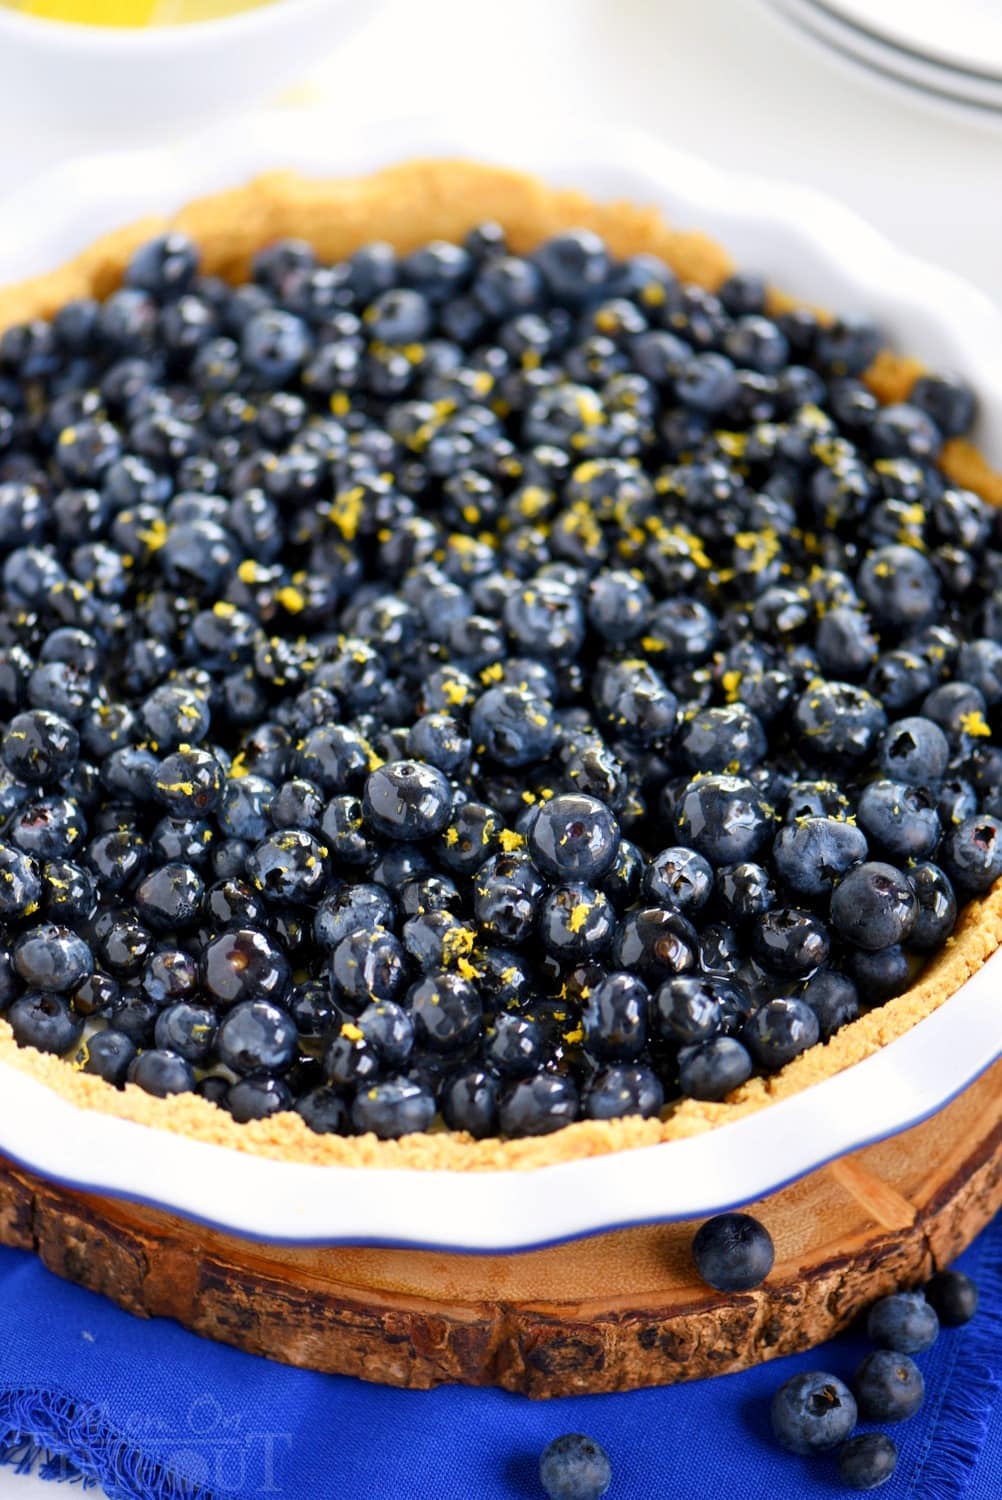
949,54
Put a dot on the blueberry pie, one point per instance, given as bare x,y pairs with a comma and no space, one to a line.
481,681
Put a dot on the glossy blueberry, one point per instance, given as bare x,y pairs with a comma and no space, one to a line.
161,1073
723,818
574,837
512,726
470,1102
714,1068
838,722
45,1021
39,746
915,751
900,820
52,958
972,854
324,1111
874,906
790,940
834,1000
879,975
369,965
445,1010
107,1054
812,853
407,800
733,1252
392,1108
813,1412
256,1036
614,1018
780,1030
888,1386
538,1105
243,964
257,1098
654,944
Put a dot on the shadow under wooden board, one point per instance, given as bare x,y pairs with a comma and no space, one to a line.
607,1313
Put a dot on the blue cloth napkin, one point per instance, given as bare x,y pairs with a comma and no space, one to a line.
150,1410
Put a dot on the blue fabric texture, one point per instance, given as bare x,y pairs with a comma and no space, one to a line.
88,1393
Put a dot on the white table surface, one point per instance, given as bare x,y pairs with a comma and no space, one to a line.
721,78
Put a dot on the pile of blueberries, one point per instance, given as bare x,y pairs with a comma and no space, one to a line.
504,689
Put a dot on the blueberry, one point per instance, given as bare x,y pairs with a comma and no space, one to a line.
39,746
900,586
445,1010
470,1103
577,921
838,722
714,1068
368,966
834,1000
723,739
574,837
512,726
813,1412
904,1322
790,940
953,1296
900,820
868,1461
888,1386
107,1054
874,906
879,975
52,958
624,1089
614,1017
161,1073
780,1030
257,1098
915,751
275,345
972,854
812,853
392,1108
407,800
733,1252
575,1467
243,964
287,866
324,1111
257,1036
44,1020
654,944
538,1105
723,818
678,878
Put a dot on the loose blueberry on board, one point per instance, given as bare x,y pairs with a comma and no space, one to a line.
954,1296
733,1252
904,1322
813,1412
889,1387
506,688
867,1461
575,1467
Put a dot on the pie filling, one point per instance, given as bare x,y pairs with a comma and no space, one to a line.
476,689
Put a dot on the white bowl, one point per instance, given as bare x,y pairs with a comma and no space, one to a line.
137,84
803,242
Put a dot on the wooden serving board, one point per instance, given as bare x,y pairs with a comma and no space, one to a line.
602,1314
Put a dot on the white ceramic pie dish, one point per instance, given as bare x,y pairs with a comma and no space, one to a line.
813,248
